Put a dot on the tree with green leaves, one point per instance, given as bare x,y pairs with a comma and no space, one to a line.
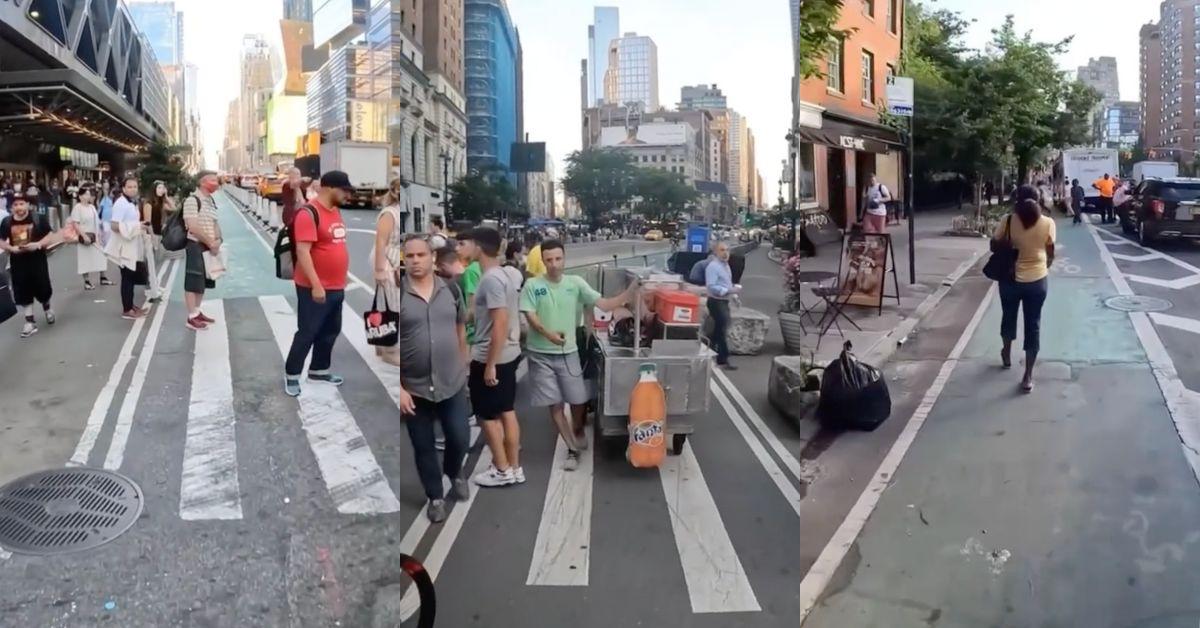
601,180
477,196
818,33
164,163
664,194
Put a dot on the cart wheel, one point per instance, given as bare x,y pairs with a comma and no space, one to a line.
677,442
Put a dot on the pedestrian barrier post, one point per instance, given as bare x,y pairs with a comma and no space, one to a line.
265,207
276,221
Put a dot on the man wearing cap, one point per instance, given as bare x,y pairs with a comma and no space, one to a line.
322,263
204,235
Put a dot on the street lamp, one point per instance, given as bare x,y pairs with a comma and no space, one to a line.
445,157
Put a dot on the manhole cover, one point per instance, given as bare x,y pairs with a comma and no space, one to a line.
1134,303
66,510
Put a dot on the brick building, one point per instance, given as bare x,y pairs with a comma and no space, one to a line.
841,141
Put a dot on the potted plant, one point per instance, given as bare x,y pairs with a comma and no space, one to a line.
790,322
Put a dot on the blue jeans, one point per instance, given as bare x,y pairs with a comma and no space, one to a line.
452,413
317,328
1031,296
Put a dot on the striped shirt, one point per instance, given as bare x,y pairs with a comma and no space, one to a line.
201,210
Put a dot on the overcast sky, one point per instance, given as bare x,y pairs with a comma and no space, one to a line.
742,45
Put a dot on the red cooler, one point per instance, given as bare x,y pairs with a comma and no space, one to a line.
676,307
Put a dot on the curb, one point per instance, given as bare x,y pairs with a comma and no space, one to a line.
879,353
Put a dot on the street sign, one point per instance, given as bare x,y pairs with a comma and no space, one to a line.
899,94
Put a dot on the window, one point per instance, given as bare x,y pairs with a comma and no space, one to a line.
891,16
868,77
833,66
868,8
808,178
891,70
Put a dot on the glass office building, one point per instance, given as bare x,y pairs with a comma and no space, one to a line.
163,27
493,83
632,74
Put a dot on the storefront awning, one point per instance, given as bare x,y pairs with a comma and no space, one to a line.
851,136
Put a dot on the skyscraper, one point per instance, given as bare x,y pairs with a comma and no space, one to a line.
1101,75
299,10
605,27
701,97
632,74
493,54
163,26
1150,79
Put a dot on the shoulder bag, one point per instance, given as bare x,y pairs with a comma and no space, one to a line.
1002,265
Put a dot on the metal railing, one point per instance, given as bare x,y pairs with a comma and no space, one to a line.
593,271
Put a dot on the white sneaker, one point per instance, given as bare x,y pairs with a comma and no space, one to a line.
572,462
519,474
494,477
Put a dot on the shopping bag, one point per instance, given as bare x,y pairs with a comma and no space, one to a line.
854,395
383,326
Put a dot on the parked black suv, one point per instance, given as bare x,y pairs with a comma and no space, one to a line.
1162,208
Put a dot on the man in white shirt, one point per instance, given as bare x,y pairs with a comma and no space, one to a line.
877,198
128,226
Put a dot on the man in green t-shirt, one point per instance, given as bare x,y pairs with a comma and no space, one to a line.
553,304
468,253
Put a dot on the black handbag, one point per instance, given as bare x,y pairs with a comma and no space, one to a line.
589,353
1002,265
383,326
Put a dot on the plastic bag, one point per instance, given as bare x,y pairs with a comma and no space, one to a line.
854,395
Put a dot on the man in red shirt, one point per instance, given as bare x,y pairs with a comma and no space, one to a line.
322,263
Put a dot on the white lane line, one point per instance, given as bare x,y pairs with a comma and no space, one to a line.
819,575
1182,404
1172,284
789,490
716,581
789,461
1149,251
133,394
357,283
355,481
209,487
562,551
1178,322
1145,257
410,604
100,408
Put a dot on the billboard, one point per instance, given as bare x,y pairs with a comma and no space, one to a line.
287,119
367,123
653,134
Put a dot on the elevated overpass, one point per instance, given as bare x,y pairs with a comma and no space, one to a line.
78,74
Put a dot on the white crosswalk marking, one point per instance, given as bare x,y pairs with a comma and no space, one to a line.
716,581
355,481
564,538
209,487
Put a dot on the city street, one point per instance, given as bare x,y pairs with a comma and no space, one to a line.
297,515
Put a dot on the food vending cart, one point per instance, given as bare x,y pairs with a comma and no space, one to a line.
684,367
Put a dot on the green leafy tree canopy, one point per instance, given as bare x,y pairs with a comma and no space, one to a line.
664,194
163,162
601,179
818,32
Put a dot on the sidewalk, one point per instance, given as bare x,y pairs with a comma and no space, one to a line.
940,260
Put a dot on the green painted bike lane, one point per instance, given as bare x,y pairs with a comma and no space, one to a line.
1071,506
251,271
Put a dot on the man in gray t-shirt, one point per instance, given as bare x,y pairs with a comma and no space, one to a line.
495,356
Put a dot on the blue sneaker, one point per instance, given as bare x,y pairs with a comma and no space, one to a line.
327,377
291,386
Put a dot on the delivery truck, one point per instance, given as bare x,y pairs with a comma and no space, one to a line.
1087,165
368,164
1154,170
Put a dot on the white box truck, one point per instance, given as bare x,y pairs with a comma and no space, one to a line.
1088,165
1154,169
368,164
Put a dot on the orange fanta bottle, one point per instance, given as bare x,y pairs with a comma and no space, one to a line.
647,420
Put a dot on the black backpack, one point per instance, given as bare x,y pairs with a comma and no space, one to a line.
174,230
285,246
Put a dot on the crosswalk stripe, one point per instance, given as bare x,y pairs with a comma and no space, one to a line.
209,487
355,481
564,539
133,394
716,581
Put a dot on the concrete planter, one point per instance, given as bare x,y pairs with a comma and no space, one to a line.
791,327
794,389
747,330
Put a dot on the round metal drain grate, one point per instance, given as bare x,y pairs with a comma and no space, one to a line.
1135,303
66,510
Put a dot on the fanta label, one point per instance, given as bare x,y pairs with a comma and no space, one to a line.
647,434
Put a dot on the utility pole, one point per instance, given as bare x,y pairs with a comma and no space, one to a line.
446,188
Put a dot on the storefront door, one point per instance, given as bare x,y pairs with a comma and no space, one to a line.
836,171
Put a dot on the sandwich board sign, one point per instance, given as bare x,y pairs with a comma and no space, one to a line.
900,96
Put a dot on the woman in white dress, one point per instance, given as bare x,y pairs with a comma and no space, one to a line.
386,257
90,257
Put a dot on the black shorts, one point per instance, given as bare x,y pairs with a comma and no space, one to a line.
489,402
195,279
30,279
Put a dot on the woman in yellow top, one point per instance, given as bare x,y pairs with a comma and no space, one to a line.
1032,235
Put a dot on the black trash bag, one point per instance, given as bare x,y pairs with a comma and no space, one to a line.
854,395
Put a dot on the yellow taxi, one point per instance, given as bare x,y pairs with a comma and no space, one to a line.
653,235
